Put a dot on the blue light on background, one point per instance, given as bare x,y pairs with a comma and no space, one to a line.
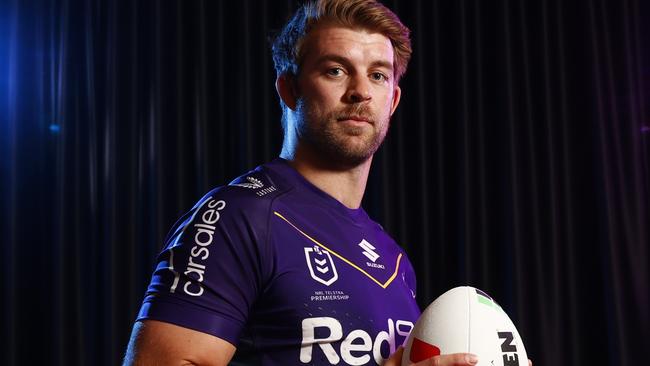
5,32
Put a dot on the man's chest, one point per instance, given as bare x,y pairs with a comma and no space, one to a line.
327,260
339,289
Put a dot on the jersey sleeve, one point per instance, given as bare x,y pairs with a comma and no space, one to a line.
213,267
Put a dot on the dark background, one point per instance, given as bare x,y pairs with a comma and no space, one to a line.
517,162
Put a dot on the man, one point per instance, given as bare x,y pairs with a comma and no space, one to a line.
282,266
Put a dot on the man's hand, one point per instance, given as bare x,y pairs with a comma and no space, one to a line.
456,359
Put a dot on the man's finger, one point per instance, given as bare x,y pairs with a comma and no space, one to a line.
396,358
454,359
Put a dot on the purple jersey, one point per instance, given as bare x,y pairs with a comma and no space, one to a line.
285,272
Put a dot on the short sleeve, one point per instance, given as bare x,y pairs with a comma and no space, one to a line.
212,267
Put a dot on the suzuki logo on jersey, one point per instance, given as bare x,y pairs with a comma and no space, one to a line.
357,348
369,250
321,266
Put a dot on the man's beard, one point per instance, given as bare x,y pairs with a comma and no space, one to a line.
328,137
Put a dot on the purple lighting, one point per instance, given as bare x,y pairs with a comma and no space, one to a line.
645,129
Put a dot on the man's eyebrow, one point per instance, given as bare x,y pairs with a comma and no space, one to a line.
346,61
382,63
334,58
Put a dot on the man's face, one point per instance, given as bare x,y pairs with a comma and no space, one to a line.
346,93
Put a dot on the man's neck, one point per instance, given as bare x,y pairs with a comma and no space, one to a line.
347,185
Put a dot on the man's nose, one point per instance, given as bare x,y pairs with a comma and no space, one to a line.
358,90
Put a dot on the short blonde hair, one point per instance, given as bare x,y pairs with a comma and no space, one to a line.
365,14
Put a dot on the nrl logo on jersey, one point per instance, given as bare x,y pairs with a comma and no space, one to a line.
321,266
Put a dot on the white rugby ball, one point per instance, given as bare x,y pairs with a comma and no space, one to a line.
466,320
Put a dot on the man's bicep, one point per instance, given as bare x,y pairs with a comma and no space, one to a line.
157,343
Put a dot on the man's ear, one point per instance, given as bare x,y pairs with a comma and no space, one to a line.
397,94
284,84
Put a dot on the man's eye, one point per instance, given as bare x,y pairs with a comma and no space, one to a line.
377,76
337,71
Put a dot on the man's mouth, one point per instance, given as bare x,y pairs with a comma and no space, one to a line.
355,118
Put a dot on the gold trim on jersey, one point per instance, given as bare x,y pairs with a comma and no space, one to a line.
383,285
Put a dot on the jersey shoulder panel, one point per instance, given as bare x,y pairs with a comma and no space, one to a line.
250,195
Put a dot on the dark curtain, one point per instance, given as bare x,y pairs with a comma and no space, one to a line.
516,163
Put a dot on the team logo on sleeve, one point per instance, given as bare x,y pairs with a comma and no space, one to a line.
255,184
321,266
